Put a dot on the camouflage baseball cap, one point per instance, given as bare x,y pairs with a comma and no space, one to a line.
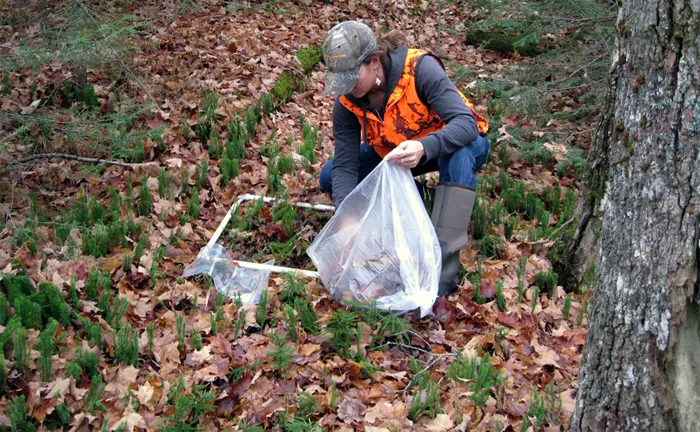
346,46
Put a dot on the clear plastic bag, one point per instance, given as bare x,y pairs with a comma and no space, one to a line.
228,277
381,245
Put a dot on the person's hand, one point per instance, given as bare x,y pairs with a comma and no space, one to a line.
407,154
346,223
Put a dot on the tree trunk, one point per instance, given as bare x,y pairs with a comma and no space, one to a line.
641,362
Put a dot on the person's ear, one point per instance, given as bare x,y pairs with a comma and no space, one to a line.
376,63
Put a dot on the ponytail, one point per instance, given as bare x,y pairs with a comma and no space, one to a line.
389,42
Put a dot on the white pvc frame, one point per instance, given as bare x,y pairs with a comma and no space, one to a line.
271,268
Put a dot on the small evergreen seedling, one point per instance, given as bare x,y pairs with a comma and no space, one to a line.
568,209
491,247
567,306
240,322
181,327
481,373
307,405
546,281
115,201
479,219
536,410
6,84
126,346
229,169
19,339
93,399
334,396
510,226
235,146
73,370
129,193
163,183
555,205
146,200
54,304
88,361
29,312
196,339
261,310
522,262
193,205
3,374
252,116
497,213
117,311
127,264
504,156
500,298
213,324
307,316
214,146
285,164
521,290
342,328
105,299
149,335
140,248
274,180
292,288
73,298
426,400
45,345
392,327
267,103
17,412
202,174
4,310
286,214
94,331
487,186
157,137
185,179
291,322
582,311
61,415
533,205
282,354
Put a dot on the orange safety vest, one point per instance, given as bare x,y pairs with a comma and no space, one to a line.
405,117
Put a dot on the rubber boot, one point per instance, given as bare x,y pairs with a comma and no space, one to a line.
452,211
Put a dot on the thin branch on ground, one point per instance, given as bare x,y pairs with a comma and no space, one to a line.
438,357
398,344
75,158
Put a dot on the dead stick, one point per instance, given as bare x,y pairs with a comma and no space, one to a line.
438,357
73,157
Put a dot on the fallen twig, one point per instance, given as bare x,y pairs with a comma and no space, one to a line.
438,357
75,158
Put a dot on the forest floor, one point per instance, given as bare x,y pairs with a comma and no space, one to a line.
205,361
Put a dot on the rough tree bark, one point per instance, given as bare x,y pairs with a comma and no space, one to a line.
641,363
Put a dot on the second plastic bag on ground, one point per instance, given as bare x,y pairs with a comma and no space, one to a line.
381,245
229,278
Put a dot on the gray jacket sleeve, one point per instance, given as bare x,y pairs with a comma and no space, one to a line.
437,92
346,160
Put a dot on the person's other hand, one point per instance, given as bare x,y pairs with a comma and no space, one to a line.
407,154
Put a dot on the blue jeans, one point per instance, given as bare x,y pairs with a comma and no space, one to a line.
458,167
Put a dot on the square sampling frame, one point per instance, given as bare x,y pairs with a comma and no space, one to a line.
247,264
